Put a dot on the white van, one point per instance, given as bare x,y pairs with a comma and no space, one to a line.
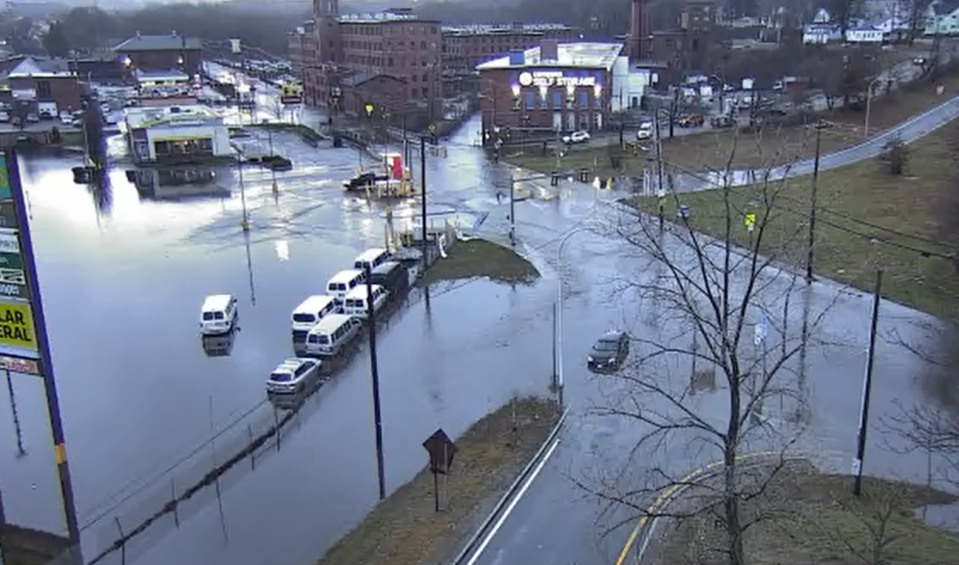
343,282
310,312
218,314
355,302
371,258
327,338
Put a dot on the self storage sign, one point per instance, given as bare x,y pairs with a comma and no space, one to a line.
13,280
16,326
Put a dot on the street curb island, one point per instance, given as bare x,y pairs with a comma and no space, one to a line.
510,492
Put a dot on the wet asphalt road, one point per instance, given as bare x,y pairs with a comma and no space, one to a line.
122,287
136,391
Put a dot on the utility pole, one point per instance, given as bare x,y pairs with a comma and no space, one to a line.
674,107
867,387
812,206
512,211
423,196
374,371
660,193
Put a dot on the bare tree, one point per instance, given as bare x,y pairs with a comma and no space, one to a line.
933,430
870,536
722,312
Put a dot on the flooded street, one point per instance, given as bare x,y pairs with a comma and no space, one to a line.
123,283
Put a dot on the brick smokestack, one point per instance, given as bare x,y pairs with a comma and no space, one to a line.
639,31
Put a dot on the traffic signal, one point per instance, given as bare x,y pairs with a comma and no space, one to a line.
432,130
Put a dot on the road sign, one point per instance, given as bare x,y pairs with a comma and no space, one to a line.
16,326
19,365
441,449
750,221
8,214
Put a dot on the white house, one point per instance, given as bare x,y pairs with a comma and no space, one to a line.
942,18
821,33
864,34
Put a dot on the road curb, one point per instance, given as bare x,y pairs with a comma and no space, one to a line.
508,495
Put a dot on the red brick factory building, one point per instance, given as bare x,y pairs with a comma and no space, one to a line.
553,87
161,53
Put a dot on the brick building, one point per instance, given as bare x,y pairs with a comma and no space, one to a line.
351,51
161,53
465,47
554,87
301,47
36,82
691,43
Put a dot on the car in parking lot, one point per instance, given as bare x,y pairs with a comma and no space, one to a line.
645,131
609,351
691,121
576,137
292,375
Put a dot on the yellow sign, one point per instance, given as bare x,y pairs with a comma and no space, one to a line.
16,326
750,221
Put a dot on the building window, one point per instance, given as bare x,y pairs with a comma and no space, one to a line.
426,92
557,99
389,61
583,101
415,78
43,89
529,99
426,77
542,101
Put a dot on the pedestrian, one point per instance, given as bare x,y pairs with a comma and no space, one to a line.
499,196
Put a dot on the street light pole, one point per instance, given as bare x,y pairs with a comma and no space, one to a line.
869,105
812,205
512,210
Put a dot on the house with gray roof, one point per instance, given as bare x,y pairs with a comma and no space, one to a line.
170,52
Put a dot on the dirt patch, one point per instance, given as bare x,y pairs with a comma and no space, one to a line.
481,258
405,529
867,219
806,517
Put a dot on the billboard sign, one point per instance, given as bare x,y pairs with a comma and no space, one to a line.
291,93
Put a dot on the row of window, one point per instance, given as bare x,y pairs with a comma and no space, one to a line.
365,29
378,45
557,99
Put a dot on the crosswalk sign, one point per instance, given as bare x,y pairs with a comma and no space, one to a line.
750,221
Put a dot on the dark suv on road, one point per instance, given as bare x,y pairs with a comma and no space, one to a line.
609,352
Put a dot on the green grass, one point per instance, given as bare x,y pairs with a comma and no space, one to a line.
481,258
846,249
596,159
405,528
305,132
808,517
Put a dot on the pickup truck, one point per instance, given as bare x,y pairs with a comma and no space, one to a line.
364,181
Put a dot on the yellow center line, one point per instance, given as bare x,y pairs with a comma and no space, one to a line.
664,497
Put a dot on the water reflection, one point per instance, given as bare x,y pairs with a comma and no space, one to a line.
218,345
172,183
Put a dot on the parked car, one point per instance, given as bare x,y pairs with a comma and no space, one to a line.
691,121
33,118
576,137
609,352
364,181
292,375
724,121
645,131
4,117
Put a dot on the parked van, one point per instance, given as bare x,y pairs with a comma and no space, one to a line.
343,282
355,302
392,275
310,312
371,258
218,314
328,337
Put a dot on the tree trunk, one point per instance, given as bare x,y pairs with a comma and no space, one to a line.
734,539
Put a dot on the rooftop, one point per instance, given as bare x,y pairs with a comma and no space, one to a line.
148,117
169,42
582,55
503,29
38,67
383,17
